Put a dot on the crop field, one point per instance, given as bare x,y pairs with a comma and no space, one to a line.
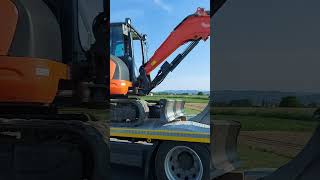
269,137
268,119
304,114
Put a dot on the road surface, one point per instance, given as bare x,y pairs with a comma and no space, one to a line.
126,172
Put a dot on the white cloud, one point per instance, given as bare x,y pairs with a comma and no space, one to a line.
120,15
163,5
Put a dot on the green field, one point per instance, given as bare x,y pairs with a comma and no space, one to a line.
304,114
266,119
186,98
190,111
252,158
254,123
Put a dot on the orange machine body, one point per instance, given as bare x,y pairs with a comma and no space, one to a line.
29,80
24,79
117,86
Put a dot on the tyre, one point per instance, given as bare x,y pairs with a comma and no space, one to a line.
182,161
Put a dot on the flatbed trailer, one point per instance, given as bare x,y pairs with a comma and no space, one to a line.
162,147
152,145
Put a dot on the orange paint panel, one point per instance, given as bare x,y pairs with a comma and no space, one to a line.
8,21
119,87
29,80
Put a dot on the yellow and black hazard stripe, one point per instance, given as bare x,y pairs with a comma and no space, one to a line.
201,137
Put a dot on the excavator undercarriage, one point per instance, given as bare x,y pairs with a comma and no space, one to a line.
134,111
128,112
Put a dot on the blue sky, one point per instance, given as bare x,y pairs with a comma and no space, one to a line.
157,18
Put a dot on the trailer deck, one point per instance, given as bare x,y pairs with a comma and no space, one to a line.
177,130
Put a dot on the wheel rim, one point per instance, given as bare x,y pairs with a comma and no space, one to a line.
183,163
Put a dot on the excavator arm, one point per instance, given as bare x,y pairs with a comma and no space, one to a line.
192,29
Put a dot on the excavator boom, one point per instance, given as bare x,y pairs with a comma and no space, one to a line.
192,28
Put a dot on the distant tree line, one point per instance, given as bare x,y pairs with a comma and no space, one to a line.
169,93
235,103
290,101
287,101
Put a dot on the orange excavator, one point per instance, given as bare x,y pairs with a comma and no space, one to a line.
52,57
124,83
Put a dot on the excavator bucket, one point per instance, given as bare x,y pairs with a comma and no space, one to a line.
171,109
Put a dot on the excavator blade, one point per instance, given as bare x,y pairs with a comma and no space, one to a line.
171,109
179,108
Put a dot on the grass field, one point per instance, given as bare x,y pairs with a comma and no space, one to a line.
254,119
186,98
304,114
270,119
190,111
253,158
254,123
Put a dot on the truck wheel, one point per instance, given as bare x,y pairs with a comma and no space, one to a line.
182,161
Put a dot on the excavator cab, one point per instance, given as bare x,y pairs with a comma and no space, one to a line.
123,37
